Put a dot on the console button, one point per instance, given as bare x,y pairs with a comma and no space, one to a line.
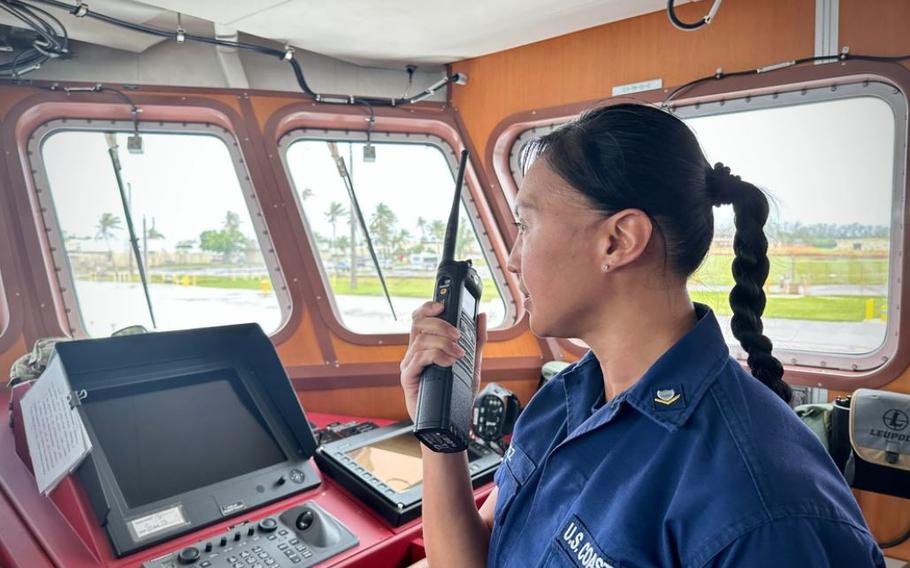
188,555
268,524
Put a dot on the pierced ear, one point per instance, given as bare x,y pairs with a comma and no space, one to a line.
628,234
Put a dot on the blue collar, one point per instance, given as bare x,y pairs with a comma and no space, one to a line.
669,390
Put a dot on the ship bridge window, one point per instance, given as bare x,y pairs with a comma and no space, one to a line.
831,160
172,232
404,186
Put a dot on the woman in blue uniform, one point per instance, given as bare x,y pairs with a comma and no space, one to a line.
656,448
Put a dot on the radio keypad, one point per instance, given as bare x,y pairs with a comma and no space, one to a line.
467,342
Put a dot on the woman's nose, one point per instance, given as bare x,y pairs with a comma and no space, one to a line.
513,264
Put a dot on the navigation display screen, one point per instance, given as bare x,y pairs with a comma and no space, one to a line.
180,434
395,461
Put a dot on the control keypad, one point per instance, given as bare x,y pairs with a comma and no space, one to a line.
268,544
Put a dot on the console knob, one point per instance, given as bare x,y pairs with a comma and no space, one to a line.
268,524
188,555
305,519
237,536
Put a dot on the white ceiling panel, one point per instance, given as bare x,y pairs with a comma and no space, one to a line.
395,32
94,31
222,11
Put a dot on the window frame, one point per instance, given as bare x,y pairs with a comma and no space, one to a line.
890,83
63,285
6,317
469,203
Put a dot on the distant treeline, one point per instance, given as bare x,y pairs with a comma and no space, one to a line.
818,234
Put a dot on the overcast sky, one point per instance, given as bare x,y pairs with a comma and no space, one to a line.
822,163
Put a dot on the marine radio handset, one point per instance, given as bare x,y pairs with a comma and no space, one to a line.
446,394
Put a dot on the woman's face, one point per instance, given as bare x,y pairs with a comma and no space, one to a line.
558,254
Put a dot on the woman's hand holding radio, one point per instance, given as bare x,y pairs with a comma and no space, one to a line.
434,340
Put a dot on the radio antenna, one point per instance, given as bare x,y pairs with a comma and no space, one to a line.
448,247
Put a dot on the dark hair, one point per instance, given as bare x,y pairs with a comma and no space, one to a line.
633,156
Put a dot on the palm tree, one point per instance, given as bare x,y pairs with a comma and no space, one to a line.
149,234
107,224
305,194
400,243
352,245
153,233
465,237
422,227
437,233
382,227
335,212
231,221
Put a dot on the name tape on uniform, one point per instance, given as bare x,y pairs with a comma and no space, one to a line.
576,541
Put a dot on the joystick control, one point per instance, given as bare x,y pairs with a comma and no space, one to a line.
300,537
305,520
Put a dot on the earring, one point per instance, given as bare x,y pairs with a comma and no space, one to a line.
606,267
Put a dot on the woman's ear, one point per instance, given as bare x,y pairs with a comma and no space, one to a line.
625,236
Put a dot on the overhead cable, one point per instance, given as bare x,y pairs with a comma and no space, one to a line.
287,54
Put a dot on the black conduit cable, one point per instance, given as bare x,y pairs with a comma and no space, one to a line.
842,56
49,44
688,27
82,10
894,542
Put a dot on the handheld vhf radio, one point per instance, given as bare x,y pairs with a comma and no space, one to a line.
446,394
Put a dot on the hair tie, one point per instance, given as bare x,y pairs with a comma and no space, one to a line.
721,184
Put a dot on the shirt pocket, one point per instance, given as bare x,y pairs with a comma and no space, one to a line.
575,547
514,472
556,557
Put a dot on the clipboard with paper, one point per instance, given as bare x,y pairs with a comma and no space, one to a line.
56,436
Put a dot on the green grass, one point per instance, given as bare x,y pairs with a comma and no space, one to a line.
407,287
227,282
814,271
813,308
716,271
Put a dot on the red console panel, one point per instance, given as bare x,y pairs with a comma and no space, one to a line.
61,531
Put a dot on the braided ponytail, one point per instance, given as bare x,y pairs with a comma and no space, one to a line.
750,270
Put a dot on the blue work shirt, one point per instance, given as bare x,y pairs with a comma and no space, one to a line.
697,464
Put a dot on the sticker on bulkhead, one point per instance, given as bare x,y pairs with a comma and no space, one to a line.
159,521
576,541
